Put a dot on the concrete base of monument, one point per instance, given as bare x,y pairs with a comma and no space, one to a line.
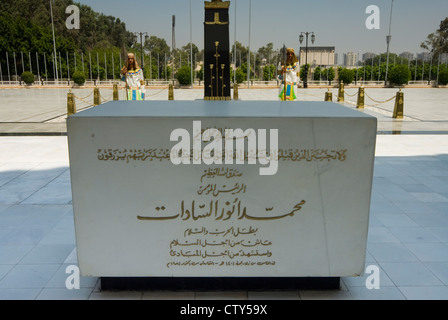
219,283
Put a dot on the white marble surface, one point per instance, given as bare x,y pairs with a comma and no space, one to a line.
325,237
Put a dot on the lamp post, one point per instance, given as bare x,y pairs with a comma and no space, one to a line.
313,37
141,46
388,37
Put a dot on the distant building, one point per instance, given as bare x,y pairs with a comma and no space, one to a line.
368,55
318,56
350,59
407,55
425,56
444,58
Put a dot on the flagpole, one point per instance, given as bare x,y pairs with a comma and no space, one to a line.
388,38
234,50
54,40
285,56
248,59
191,49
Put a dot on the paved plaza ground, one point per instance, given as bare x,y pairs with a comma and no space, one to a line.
41,110
408,230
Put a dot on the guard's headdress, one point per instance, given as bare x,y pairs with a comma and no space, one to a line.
291,50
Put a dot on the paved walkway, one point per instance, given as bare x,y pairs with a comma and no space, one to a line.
43,111
408,231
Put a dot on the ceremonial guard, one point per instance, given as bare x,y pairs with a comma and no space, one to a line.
133,75
289,75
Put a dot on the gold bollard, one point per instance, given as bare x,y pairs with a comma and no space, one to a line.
341,92
399,105
235,91
170,92
96,97
71,105
360,102
328,95
115,94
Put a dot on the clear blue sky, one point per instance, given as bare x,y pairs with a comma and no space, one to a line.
338,23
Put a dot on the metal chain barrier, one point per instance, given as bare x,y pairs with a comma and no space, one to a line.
154,94
310,94
105,100
378,102
350,95
83,99
89,104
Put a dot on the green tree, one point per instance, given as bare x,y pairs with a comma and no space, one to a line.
244,69
96,29
25,26
328,74
266,51
303,71
268,72
241,53
187,50
28,77
79,78
437,43
239,75
443,77
346,75
157,46
200,73
184,75
400,75
382,58
317,73
159,51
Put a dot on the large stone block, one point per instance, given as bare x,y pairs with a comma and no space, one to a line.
137,214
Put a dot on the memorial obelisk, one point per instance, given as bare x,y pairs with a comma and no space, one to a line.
216,51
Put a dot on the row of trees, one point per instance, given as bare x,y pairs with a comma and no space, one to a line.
397,75
25,25
106,64
99,48
26,42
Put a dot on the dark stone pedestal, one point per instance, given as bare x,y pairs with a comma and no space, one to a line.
216,51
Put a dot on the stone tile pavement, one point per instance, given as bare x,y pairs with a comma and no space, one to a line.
43,111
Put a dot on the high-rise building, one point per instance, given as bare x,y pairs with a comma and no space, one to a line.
368,55
407,55
425,56
350,59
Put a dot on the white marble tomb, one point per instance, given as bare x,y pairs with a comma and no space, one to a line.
139,214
